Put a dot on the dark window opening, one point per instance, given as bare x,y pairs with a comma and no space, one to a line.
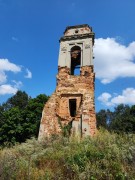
76,31
75,60
72,107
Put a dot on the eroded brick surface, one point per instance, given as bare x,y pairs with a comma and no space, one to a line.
69,87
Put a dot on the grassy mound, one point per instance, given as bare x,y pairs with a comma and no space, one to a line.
105,156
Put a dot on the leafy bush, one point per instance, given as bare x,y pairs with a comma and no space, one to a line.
105,156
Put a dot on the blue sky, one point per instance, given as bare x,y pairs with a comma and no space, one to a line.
29,45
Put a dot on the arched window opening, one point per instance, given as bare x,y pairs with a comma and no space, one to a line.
75,60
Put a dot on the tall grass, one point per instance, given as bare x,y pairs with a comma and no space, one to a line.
105,156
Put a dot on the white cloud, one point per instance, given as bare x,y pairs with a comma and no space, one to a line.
104,98
127,97
12,86
7,89
29,74
113,60
5,65
3,77
10,89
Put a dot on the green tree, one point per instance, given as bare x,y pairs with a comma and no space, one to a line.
1,112
20,100
103,118
2,118
33,113
20,117
11,129
123,120
132,110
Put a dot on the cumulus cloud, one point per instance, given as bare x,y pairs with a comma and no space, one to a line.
104,98
113,60
7,89
127,97
29,74
11,87
5,65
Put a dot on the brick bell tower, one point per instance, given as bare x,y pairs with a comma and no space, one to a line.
72,103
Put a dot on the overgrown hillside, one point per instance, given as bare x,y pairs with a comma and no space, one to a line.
105,156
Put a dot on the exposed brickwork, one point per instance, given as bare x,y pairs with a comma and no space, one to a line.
68,87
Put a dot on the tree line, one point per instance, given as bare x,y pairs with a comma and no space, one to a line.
121,120
20,118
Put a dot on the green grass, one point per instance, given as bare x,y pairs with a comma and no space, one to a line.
106,156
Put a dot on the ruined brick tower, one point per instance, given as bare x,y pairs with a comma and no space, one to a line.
72,103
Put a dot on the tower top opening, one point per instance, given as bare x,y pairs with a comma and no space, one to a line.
82,26
78,31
